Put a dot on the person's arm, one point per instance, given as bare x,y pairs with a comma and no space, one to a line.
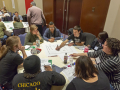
22,25
45,34
23,52
59,35
108,66
13,17
4,27
21,19
80,44
62,44
39,36
29,17
78,54
71,86
43,17
27,39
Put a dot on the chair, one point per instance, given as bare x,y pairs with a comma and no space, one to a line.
4,19
9,18
22,38
18,31
10,13
89,38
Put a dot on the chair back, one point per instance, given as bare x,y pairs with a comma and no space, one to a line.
18,31
22,38
89,38
9,18
10,13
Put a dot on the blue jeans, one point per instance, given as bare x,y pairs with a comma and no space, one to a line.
111,87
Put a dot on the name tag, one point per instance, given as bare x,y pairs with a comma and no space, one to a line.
96,48
98,60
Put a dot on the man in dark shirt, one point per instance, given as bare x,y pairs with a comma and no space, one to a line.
77,37
52,33
34,79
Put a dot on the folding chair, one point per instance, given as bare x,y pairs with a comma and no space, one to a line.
18,31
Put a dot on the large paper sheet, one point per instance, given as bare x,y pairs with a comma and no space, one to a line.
50,50
13,4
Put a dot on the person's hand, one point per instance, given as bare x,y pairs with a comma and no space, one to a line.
51,40
37,34
58,48
34,43
74,55
70,44
22,48
47,68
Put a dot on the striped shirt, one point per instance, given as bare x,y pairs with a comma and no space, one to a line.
110,65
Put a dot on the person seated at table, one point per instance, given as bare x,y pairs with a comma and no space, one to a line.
6,14
98,42
2,28
17,24
33,35
52,33
18,16
88,77
77,37
34,79
109,61
9,60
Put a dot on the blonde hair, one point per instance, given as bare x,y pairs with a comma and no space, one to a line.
10,42
33,27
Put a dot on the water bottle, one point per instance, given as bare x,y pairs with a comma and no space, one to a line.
65,58
33,50
61,36
38,43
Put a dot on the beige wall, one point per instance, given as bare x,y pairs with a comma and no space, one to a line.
39,3
21,7
1,4
112,25
8,5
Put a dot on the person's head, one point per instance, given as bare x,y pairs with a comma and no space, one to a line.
51,26
16,14
12,43
33,29
31,66
84,68
4,8
102,36
32,4
76,31
111,46
17,19
5,11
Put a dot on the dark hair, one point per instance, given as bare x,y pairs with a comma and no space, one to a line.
16,12
33,3
17,19
114,45
77,28
84,68
29,75
103,36
51,23
10,42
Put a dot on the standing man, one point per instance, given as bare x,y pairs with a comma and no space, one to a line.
78,38
17,15
36,16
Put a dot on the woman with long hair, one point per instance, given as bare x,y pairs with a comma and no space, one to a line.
88,77
9,60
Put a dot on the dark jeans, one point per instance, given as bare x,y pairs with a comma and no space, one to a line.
40,29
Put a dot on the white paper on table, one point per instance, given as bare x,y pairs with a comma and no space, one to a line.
80,47
27,46
44,62
50,50
69,73
28,53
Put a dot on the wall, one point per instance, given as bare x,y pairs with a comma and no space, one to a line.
112,25
21,7
1,4
39,3
8,5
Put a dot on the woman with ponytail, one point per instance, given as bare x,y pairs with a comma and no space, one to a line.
9,60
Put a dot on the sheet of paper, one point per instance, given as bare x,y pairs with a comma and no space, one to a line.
13,4
44,62
50,50
27,46
69,73
3,3
28,53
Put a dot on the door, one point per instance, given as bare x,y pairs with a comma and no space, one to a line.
93,15
67,14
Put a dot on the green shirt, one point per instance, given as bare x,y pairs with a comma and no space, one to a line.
17,25
2,27
30,38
